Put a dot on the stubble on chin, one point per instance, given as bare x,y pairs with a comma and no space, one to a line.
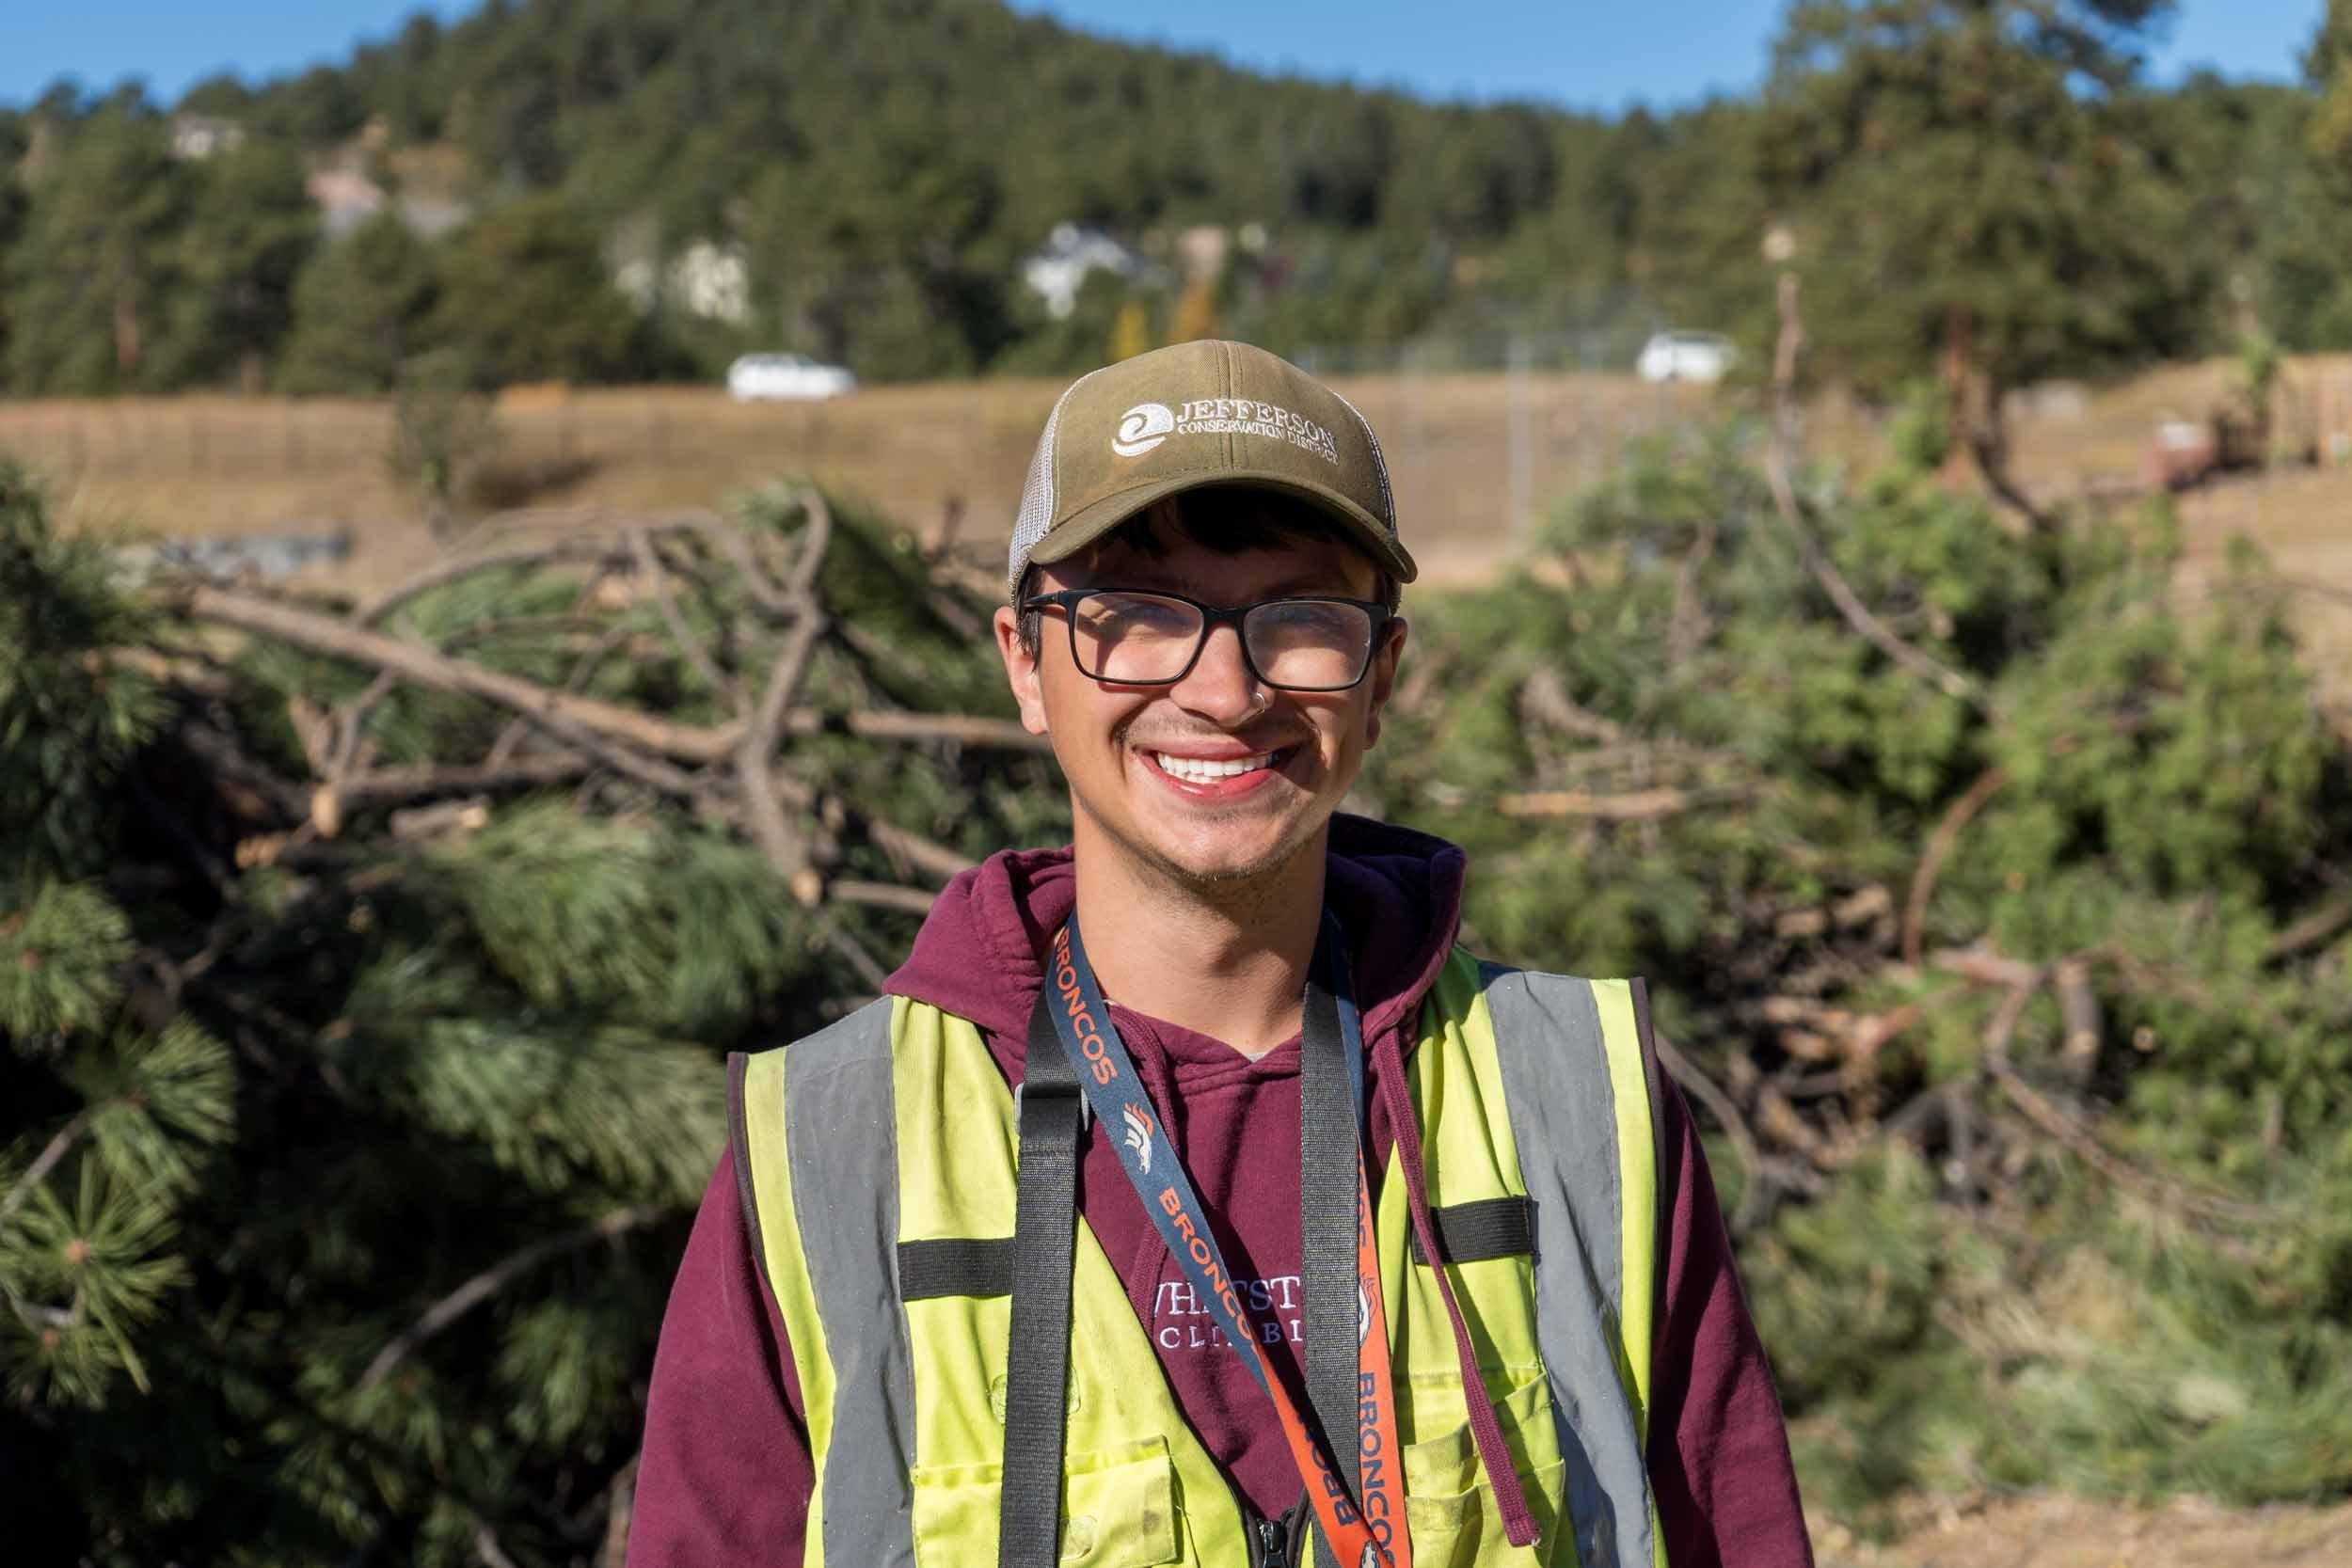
1236,888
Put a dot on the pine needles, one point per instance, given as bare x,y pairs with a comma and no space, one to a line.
363,976
2024,1021
363,1029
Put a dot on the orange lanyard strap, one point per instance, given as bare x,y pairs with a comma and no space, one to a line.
1359,1500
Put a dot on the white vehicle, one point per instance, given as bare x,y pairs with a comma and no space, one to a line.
1701,357
785,377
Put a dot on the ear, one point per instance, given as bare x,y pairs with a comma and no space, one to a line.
1021,670
1383,675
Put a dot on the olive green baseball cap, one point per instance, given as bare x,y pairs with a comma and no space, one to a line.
1194,414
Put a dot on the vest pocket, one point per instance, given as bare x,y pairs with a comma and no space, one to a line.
1466,1529
1119,1510
1450,1507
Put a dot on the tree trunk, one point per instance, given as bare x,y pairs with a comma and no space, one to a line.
1956,371
126,334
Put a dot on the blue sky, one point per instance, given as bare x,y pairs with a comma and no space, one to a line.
1591,54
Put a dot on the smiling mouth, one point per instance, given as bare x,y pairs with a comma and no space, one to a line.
1208,771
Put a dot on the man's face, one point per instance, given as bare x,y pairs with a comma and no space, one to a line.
1125,747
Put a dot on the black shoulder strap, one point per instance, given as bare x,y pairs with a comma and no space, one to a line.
1037,1361
1328,1145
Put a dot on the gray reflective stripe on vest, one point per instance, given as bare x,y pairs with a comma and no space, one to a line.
841,1133
1556,1083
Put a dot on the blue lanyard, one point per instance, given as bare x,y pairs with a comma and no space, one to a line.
1106,1075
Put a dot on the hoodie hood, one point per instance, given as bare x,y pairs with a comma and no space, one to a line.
1236,1120
980,955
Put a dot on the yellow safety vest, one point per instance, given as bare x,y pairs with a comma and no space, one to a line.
877,1163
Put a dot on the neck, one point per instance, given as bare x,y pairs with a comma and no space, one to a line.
1226,961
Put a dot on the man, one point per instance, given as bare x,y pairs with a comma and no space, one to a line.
1192,1197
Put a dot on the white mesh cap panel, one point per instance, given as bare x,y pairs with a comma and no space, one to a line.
1036,515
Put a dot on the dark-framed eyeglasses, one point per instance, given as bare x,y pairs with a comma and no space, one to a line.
1129,637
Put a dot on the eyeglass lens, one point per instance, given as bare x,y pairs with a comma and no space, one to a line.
1146,639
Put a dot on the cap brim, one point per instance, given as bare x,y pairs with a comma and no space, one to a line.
1083,528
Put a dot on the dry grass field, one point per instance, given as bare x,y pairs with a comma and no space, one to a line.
1477,460
1473,456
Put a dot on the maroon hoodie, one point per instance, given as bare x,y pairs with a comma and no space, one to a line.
725,1474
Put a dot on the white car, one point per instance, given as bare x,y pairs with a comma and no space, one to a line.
1702,357
785,377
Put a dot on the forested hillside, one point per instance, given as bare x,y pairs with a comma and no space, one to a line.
1951,176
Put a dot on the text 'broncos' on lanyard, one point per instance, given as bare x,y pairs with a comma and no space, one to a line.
1364,1523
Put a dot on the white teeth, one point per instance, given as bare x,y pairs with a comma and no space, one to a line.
1202,771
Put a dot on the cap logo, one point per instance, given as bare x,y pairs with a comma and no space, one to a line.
1141,428
1147,425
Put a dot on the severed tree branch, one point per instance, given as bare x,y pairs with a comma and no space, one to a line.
1939,849
2046,1115
325,634
1754,1197
57,1149
456,568
490,1281
390,787
1779,471
1991,457
2024,980
1545,697
1689,626
351,720
959,729
1639,805
869,969
922,854
814,541
2078,1009
1983,968
729,770
620,1502
880,896
787,850
486,1547
590,659
2312,929
649,568
422,666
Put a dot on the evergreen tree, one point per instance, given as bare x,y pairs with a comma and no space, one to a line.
524,294
2267,230
880,251
251,230
117,1108
94,278
2013,997
2328,64
362,309
1972,189
15,142
352,1136
318,108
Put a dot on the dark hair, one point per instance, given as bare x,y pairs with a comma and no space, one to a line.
1224,519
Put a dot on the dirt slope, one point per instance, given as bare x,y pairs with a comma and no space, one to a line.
2062,1532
